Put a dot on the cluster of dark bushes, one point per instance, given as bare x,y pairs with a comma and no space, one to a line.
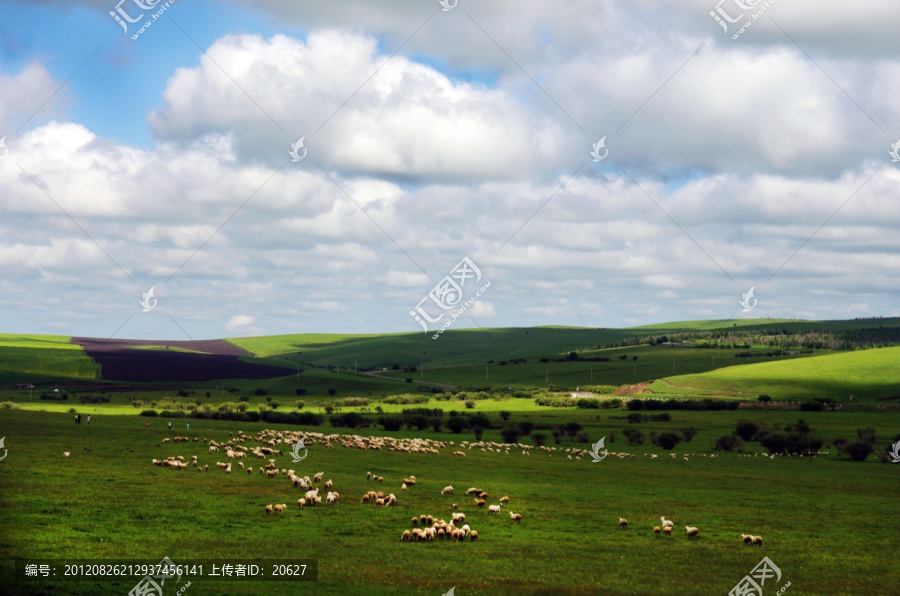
91,399
635,418
270,416
55,396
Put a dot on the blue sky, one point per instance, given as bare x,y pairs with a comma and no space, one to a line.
762,161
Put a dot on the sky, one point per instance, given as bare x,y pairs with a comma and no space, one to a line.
275,166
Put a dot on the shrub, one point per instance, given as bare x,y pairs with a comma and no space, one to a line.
300,391
480,420
764,399
457,424
332,391
329,409
746,429
8,405
274,405
688,433
470,404
557,435
510,433
859,450
774,442
634,418
351,402
261,391
539,438
525,427
633,436
406,399
727,443
667,439
244,398
504,414
840,444
478,431
408,379
664,417
436,424
583,437
143,413
391,422
634,404
588,404
299,404
570,428
349,420
183,393
812,406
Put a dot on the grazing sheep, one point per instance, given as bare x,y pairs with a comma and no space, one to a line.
455,506
379,502
751,539
482,495
380,479
623,523
166,440
329,484
301,502
494,509
403,486
466,528
268,509
516,517
318,500
472,491
459,517
692,532
318,477
365,498
656,529
368,475
66,454
329,500
279,508
415,521
405,536
665,522
473,535
504,499
757,540
448,490
206,468
480,502
667,530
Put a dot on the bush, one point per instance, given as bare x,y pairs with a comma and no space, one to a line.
764,399
727,443
840,444
332,391
349,420
588,404
143,413
633,436
299,404
555,402
688,433
859,450
300,391
470,404
539,439
570,428
457,424
557,435
329,409
583,437
504,414
351,402
774,443
866,435
436,424
244,398
261,391
274,405
8,405
634,404
812,406
408,379
667,439
746,429
406,399
510,433
634,418
480,420
478,431
525,427
391,422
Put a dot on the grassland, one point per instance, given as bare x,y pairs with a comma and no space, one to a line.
568,543
865,375
43,358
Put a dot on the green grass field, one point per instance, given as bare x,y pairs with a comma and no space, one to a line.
42,359
825,521
870,374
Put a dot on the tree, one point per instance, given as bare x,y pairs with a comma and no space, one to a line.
207,395
504,414
667,440
634,436
727,443
480,420
332,391
746,430
436,424
764,399
261,391
525,427
859,450
300,391
478,432
572,356
510,433
457,424
571,428
538,438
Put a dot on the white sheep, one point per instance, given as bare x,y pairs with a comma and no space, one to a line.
66,454
301,502
515,517
448,490
623,523
405,536
494,509
665,522
692,532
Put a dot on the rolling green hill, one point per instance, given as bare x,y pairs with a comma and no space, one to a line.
40,358
867,374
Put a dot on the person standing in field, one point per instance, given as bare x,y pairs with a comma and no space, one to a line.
77,418
89,418
170,424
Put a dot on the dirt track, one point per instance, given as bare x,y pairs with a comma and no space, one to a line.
121,362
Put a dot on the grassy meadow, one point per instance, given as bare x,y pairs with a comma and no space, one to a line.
826,521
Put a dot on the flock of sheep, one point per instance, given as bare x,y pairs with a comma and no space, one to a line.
692,532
